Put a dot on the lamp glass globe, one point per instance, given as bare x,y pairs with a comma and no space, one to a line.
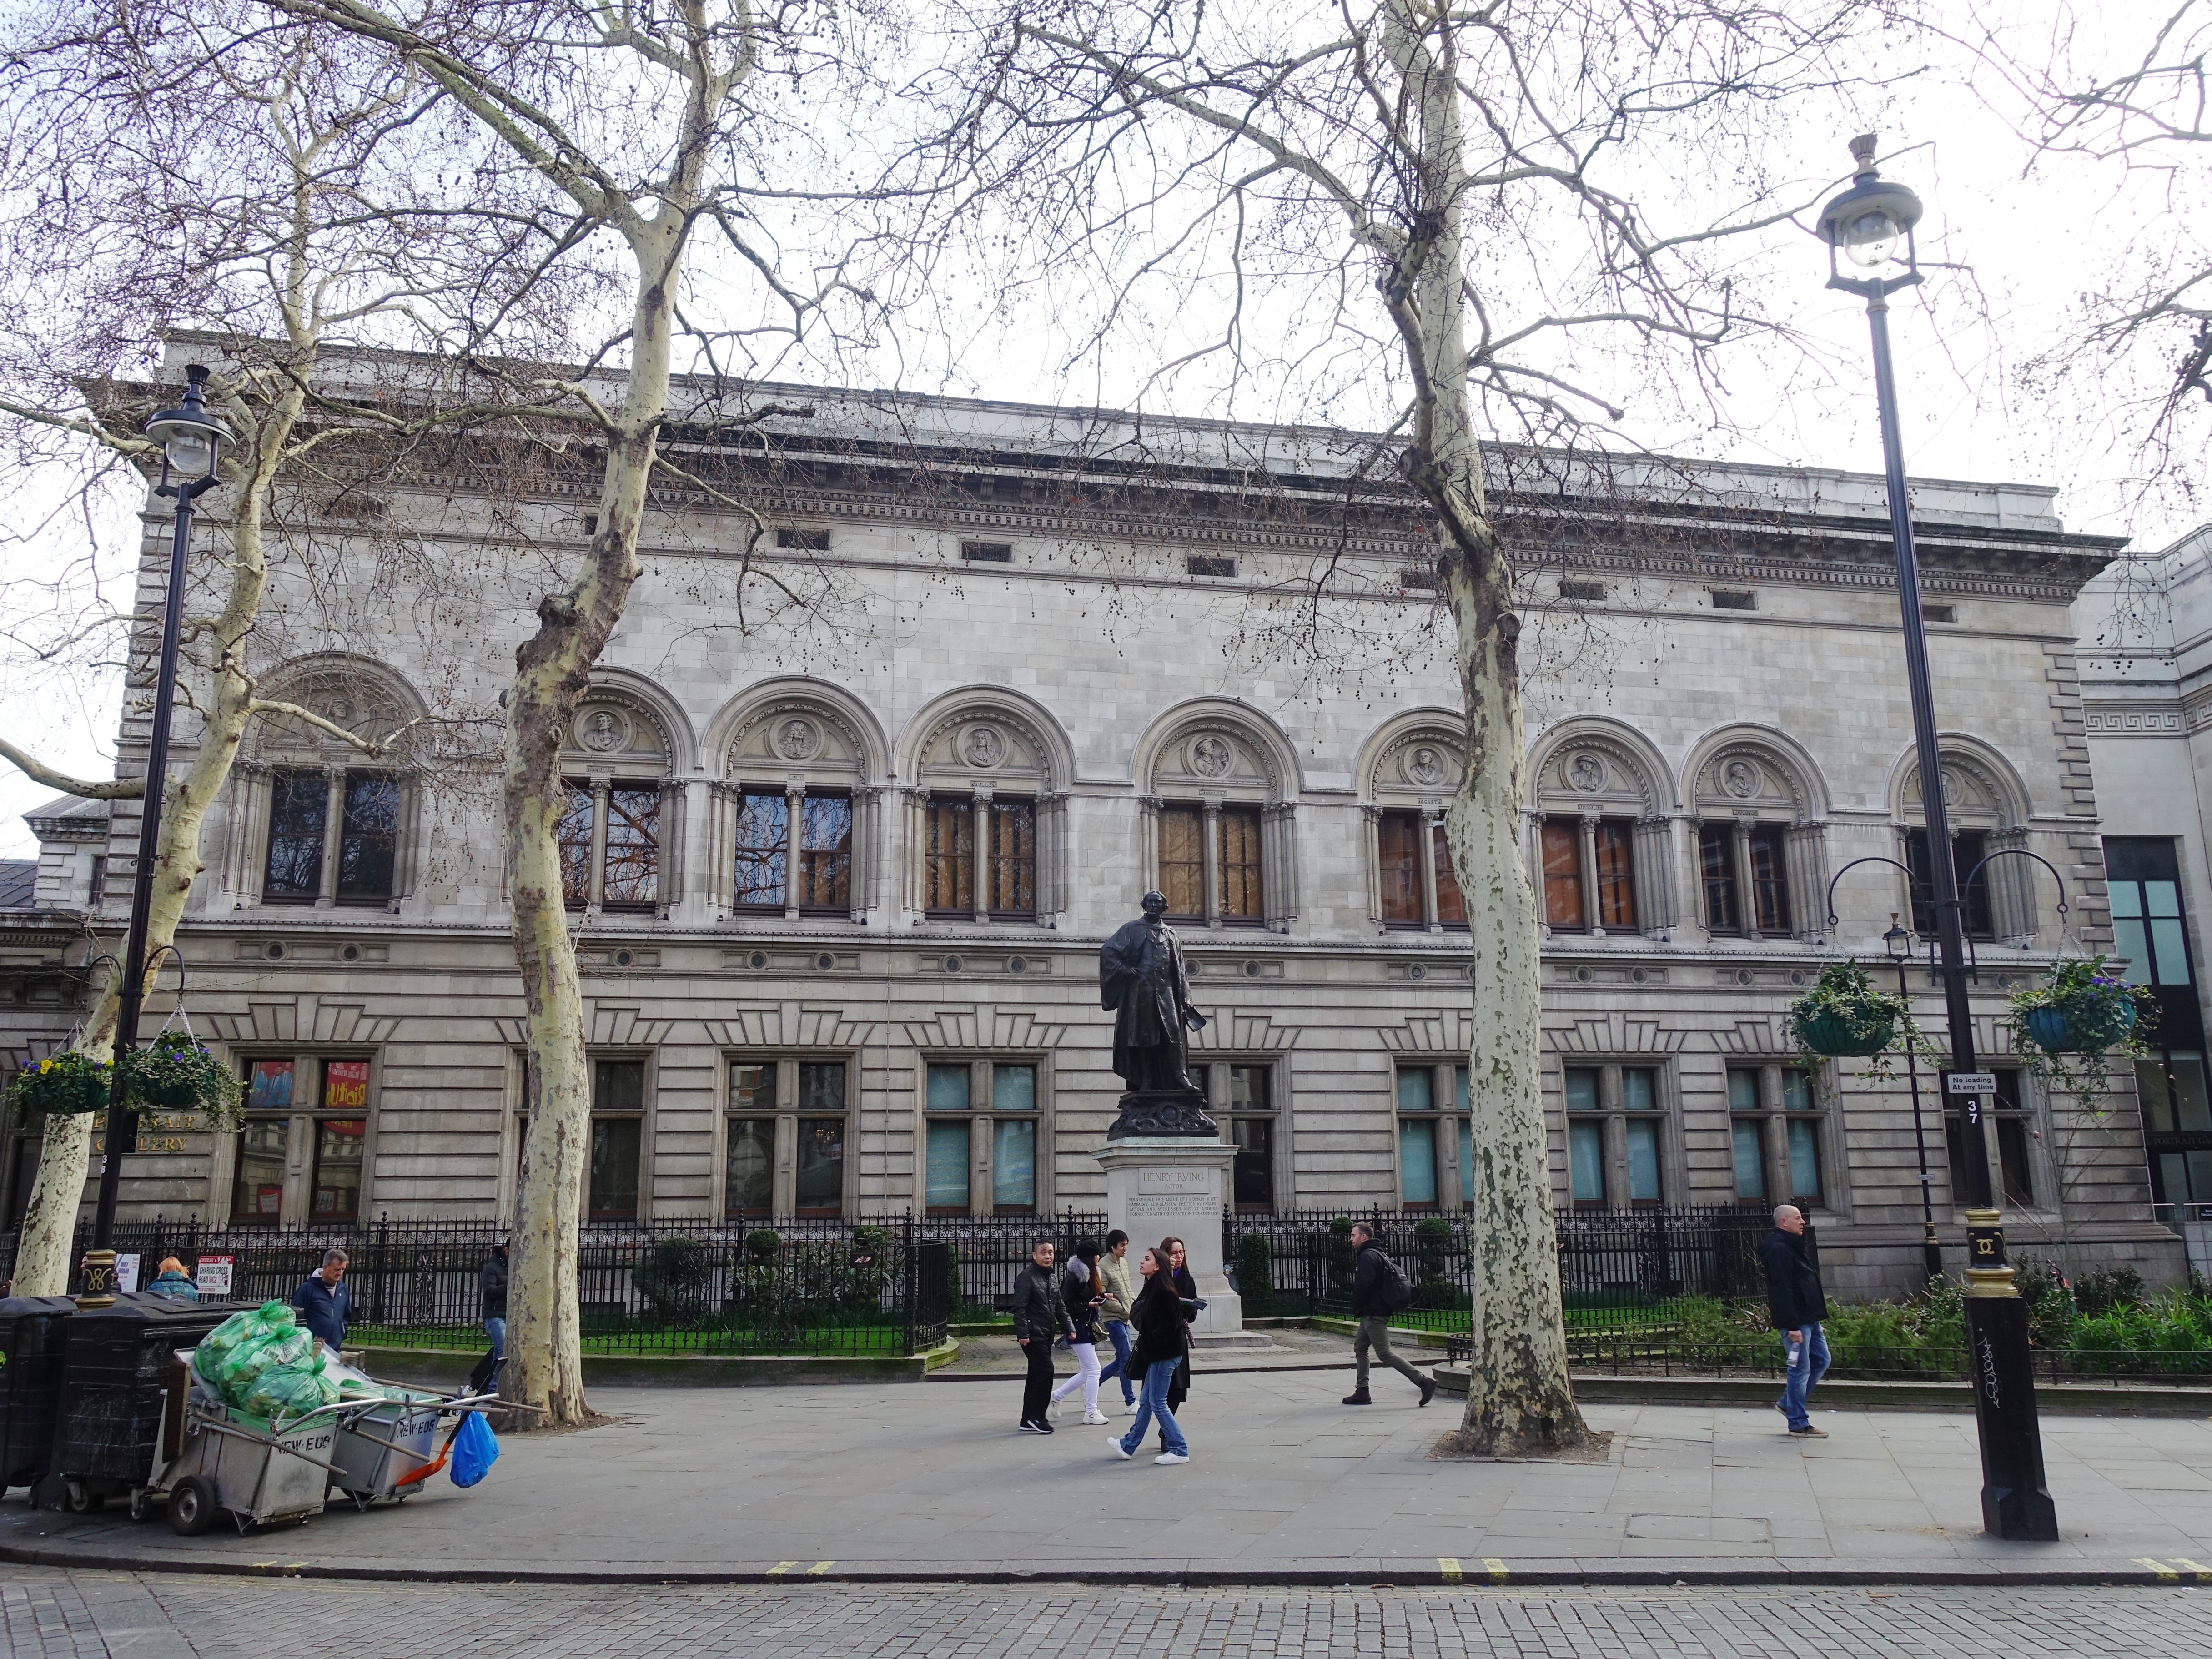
1871,238
189,451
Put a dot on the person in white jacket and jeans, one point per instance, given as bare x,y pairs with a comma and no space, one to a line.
1083,1292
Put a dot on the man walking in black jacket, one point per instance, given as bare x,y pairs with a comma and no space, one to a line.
1796,1304
1372,1308
1039,1315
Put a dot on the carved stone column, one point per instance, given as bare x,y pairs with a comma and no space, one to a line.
794,836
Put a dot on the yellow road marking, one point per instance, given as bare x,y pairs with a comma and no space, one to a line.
1497,1574
2203,1573
782,1566
1450,1567
819,1568
2158,1567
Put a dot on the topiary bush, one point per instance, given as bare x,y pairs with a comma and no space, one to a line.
1256,1271
674,1279
1434,1286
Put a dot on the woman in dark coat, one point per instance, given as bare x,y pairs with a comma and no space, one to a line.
1162,1340
1187,1288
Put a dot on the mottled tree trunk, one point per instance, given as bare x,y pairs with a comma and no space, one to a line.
552,671
1519,1398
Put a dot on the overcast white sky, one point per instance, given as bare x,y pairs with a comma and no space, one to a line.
2016,248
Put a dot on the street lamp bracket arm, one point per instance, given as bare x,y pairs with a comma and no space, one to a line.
1871,858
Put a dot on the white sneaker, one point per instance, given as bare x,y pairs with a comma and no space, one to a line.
1052,1409
1172,1457
1114,1445
1092,1419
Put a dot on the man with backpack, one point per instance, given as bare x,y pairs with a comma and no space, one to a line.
1379,1289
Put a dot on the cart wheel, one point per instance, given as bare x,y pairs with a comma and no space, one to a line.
192,1506
140,1509
83,1500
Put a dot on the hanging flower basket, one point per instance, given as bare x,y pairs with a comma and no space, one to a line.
1844,1030
1844,1016
2078,1010
176,1073
65,1083
2068,1027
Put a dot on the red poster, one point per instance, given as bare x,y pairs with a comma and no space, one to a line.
345,1083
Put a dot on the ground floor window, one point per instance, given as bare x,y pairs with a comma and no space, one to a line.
308,1113
2009,1134
1241,1098
2177,1112
617,1139
1777,1136
785,1138
980,1136
1435,1154
1615,1133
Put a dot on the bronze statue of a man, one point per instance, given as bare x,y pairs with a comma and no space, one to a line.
1142,980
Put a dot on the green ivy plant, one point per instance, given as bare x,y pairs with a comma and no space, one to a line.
2101,1014
176,1073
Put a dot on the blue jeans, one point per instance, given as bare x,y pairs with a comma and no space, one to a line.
1158,1376
1119,1366
496,1330
1808,1363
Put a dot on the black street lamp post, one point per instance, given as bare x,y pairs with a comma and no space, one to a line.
1898,944
1871,224
191,441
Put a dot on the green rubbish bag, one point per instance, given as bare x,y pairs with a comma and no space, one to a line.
281,1394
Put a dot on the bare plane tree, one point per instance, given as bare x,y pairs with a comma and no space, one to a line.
1467,204
272,193
660,124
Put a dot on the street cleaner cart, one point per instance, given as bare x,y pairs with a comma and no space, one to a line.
270,1421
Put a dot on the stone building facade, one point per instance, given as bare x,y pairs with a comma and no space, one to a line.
839,875
2146,632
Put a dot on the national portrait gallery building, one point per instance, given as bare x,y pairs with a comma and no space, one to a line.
854,800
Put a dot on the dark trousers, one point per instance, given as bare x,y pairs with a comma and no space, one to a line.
1036,1389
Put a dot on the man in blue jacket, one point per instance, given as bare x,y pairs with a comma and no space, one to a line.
325,1304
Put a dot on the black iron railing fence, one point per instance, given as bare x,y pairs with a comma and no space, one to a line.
880,1284
895,1283
1617,1267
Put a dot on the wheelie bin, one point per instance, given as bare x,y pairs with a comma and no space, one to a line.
121,1409
33,1330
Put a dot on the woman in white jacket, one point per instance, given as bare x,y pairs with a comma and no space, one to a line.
1084,1293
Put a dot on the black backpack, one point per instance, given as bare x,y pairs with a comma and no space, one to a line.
1395,1292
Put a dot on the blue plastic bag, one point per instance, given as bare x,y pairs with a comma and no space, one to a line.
476,1448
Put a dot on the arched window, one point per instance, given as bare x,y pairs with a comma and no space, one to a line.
1761,853
622,805
795,815
1219,819
313,820
1599,846
1987,814
986,816
1413,767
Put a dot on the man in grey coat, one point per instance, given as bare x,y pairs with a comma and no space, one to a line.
1040,1315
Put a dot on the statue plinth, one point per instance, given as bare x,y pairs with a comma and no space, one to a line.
1163,1115
1177,1185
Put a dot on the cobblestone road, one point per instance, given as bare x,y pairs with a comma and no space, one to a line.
49,1614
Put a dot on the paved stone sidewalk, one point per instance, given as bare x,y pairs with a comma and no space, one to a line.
47,1615
1287,1486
